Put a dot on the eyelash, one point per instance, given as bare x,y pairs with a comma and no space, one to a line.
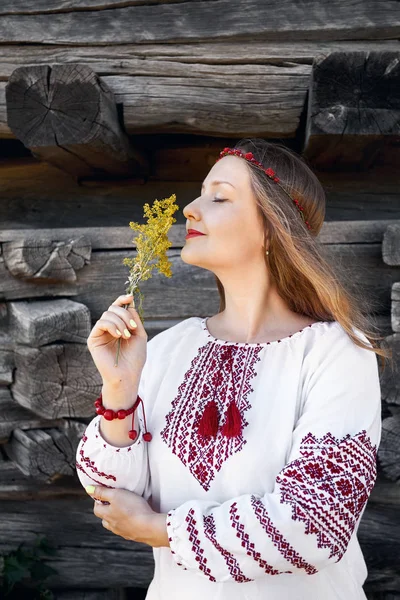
219,200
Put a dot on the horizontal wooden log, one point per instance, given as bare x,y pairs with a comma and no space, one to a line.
353,110
42,112
58,380
390,379
379,535
396,307
41,322
236,63
6,365
389,449
391,245
98,285
122,238
373,195
104,594
163,22
31,258
14,485
84,547
46,454
229,75
13,416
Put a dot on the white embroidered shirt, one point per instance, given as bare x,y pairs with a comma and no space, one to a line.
272,511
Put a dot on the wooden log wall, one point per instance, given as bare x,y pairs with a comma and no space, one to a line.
96,120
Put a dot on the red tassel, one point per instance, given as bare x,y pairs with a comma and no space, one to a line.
233,423
209,421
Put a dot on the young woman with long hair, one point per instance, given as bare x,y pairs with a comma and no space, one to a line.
254,461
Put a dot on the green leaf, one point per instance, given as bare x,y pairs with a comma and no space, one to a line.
13,571
41,571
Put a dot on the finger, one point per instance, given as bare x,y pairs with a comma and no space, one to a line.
119,324
133,314
100,492
124,315
124,299
112,326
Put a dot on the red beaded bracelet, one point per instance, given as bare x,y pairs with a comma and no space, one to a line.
110,414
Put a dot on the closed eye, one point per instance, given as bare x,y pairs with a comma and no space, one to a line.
219,200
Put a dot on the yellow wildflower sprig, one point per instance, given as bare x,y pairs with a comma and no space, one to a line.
152,244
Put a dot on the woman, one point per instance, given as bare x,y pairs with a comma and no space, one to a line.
254,466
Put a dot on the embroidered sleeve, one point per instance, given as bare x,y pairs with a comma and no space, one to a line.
98,462
305,522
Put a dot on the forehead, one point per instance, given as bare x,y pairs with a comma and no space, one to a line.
229,170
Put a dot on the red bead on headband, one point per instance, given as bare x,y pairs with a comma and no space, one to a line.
269,172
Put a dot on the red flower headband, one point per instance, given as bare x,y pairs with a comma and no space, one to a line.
269,172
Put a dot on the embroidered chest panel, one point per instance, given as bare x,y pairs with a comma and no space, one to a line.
221,374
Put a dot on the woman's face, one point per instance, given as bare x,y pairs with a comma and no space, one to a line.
227,214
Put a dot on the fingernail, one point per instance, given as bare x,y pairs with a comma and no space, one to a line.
90,489
126,332
132,322
118,332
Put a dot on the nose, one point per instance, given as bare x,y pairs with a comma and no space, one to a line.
190,211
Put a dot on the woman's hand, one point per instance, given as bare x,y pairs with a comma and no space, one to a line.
114,324
129,516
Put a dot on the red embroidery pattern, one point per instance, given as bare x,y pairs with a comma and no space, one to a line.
250,547
231,562
329,485
78,466
90,463
279,541
196,545
222,373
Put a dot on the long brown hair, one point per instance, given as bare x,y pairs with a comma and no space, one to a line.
298,263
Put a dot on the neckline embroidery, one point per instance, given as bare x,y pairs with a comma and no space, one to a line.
203,323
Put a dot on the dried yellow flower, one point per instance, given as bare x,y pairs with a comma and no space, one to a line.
152,244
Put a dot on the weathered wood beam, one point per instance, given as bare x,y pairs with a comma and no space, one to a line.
123,238
15,485
33,259
396,307
139,23
391,245
13,416
98,285
390,381
353,118
44,321
58,380
389,448
86,545
279,65
68,117
6,365
46,454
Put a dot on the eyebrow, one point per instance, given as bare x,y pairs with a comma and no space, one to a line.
216,183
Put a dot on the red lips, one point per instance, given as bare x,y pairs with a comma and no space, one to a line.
193,232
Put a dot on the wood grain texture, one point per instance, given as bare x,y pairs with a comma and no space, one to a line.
68,117
45,454
57,380
353,119
41,322
86,546
395,316
391,245
15,416
52,261
196,21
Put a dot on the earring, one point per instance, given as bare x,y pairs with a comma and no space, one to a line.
267,252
